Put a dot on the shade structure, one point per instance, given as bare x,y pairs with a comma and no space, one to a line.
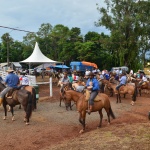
38,57
61,66
89,64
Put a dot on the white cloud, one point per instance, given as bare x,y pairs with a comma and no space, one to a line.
30,14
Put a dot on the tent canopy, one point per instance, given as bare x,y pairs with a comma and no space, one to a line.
38,57
61,66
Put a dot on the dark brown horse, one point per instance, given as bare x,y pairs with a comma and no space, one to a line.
102,101
15,97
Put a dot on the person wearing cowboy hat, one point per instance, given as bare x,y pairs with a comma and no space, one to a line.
65,80
92,84
11,81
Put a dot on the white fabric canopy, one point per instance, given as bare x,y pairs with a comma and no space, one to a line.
38,57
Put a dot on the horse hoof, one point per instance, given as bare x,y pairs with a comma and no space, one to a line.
27,123
13,119
81,131
4,118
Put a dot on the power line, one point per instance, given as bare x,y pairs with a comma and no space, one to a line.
16,29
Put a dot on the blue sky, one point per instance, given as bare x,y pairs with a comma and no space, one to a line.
30,14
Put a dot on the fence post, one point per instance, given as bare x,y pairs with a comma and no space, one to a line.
50,86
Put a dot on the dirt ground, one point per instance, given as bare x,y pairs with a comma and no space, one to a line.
53,128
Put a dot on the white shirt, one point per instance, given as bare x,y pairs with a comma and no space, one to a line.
87,72
144,78
24,80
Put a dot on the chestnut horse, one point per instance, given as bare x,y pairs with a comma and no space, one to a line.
82,105
15,97
65,88
125,89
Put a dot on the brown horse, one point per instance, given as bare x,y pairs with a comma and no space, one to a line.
65,88
144,86
15,97
32,90
82,105
127,89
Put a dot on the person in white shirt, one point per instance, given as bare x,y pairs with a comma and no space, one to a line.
24,79
144,79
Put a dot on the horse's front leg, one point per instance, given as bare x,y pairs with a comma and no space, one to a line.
82,120
101,117
119,97
12,112
5,110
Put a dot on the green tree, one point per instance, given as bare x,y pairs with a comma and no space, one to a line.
121,18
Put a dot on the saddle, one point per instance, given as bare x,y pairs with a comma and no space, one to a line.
10,93
144,83
87,96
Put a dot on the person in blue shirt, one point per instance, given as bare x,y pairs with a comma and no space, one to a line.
92,84
122,80
11,81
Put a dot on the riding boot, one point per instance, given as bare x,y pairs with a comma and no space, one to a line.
1,101
90,109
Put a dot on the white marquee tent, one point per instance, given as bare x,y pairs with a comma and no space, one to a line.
38,57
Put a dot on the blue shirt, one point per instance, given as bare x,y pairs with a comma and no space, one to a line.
95,84
12,80
123,80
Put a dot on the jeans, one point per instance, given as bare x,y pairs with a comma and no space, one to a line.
92,97
2,94
117,87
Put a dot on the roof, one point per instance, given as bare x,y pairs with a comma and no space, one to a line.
17,64
75,63
89,64
3,64
61,66
38,57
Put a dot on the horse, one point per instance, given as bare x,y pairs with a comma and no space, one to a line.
144,86
125,89
65,88
15,97
32,90
82,105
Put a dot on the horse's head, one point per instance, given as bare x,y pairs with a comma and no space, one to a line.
67,99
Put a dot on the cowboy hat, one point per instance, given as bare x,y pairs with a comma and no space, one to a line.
10,70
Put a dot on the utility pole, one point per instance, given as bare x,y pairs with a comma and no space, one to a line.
8,50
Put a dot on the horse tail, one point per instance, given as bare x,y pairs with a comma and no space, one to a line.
34,106
135,93
111,113
29,105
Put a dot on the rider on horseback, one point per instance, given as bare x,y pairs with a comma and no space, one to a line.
92,85
122,80
12,80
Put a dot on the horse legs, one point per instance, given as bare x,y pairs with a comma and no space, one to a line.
5,110
12,112
82,120
119,97
101,117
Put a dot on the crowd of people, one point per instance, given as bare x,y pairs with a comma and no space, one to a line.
90,78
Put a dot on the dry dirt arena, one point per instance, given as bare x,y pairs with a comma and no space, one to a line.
53,128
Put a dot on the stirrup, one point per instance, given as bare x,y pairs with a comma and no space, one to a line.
88,111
